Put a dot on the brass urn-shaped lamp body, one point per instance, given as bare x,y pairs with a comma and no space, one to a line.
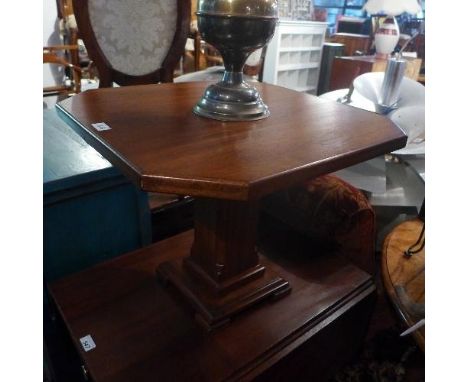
236,28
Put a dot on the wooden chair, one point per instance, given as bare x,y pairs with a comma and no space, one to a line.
68,29
147,52
253,68
128,51
211,57
205,55
70,36
71,83
65,55
254,65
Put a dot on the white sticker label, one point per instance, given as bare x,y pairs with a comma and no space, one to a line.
101,126
87,342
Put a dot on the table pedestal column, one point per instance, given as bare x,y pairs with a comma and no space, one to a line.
223,274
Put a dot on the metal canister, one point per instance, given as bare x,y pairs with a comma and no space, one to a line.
391,85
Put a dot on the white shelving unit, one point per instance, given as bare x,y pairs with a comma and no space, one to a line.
293,55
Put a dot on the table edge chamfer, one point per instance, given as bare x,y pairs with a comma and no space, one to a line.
222,188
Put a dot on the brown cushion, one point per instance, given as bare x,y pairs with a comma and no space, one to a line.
329,209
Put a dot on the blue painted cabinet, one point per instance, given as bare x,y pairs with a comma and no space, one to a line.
91,211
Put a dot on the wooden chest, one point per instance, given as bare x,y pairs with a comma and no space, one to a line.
91,211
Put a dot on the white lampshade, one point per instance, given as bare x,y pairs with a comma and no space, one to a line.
392,7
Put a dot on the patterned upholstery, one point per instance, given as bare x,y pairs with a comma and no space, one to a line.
332,211
134,35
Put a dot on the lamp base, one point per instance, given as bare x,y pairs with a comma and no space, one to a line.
232,99
386,38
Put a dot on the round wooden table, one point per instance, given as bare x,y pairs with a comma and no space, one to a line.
404,276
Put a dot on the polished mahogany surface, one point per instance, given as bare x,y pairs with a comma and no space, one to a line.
157,140
144,332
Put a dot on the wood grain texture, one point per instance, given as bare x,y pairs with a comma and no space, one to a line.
227,229
346,68
352,42
404,277
144,332
107,74
413,67
157,141
223,275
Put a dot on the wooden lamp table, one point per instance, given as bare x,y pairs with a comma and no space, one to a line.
156,140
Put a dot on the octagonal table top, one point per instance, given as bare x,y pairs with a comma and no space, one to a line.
159,143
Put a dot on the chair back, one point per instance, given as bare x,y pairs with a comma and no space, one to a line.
254,65
70,82
133,41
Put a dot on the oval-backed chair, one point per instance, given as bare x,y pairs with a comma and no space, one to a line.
132,42
136,43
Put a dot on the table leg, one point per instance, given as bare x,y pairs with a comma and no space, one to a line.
223,274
